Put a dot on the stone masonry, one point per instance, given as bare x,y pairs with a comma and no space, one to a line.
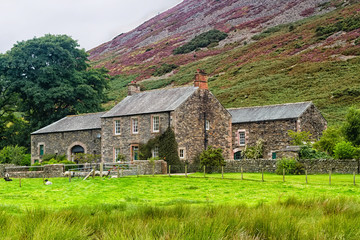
62,143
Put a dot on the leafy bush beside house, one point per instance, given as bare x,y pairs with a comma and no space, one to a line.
212,159
291,167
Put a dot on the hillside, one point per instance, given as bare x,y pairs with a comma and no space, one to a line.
313,59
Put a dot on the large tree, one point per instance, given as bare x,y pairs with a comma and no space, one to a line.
351,126
52,78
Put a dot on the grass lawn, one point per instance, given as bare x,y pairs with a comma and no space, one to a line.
165,191
176,207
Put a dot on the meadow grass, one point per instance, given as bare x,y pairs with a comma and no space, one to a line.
176,207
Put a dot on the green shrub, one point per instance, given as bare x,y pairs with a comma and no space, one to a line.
168,148
299,138
330,137
203,40
291,166
347,25
164,68
34,167
14,155
255,152
351,127
212,159
307,152
345,150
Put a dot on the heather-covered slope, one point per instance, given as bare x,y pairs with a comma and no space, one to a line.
314,59
141,50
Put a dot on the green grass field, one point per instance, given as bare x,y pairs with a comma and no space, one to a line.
176,207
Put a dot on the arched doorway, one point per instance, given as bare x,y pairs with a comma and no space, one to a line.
77,149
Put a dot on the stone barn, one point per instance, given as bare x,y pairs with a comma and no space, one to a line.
69,135
271,124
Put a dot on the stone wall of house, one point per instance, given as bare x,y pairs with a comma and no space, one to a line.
312,166
274,134
61,143
126,139
312,120
189,125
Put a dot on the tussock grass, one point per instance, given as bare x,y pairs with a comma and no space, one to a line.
292,218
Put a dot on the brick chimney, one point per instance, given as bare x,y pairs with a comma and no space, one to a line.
201,80
133,88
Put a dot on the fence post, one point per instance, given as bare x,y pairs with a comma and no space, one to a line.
101,169
118,171
43,178
283,174
137,171
169,170
354,178
20,182
242,176
262,174
69,176
186,170
306,177
153,169
222,172
93,174
330,177
204,170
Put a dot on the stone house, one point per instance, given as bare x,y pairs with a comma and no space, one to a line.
197,118
271,124
69,135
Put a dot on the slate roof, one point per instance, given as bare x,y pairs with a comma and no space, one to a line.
268,113
73,123
163,100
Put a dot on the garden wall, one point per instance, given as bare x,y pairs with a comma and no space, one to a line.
58,170
313,166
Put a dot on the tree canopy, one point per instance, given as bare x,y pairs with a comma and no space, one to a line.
52,78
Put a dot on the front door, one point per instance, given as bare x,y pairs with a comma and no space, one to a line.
135,152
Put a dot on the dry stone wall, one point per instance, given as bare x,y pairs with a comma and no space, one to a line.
312,166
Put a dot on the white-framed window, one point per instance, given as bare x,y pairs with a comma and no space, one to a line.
135,125
155,152
116,153
117,127
207,125
155,123
182,153
242,138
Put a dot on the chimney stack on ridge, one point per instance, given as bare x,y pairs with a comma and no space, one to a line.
133,88
201,80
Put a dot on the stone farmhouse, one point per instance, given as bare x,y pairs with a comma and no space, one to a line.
271,124
197,118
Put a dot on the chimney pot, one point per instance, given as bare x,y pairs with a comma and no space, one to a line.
133,88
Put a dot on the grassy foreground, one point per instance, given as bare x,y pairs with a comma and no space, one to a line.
179,208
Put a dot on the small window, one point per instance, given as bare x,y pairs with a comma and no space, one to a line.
41,150
182,153
273,155
155,123
237,155
116,153
117,127
207,125
242,138
155,152
135,127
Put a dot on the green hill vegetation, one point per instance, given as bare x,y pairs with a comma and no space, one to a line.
316,59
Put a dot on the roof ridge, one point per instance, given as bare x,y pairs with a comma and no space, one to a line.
161,89
85,114
274,105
